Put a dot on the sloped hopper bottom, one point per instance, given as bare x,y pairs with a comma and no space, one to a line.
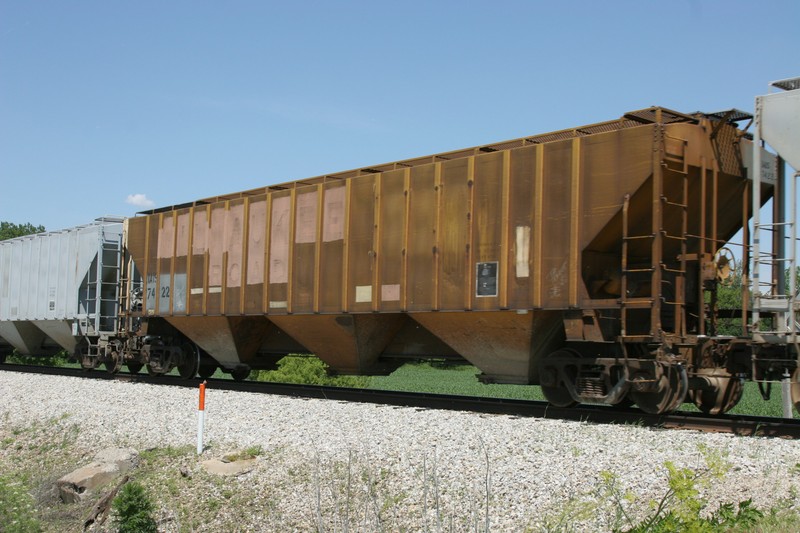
504,345
230,340
349,344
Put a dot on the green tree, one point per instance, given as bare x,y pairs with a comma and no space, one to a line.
729,296
9,230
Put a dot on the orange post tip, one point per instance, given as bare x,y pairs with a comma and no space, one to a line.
202,396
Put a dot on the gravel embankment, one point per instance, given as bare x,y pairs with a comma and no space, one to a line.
339,466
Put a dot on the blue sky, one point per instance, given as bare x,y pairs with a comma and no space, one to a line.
176,101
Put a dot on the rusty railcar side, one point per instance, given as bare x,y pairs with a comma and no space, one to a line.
502,252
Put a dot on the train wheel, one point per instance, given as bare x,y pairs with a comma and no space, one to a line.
796,390
625,402
240,372
114,361
553,387
87,362
134,368
113,364
153,371
722,393
206,370
660,394
190,361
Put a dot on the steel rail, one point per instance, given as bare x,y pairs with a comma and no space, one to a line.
744,425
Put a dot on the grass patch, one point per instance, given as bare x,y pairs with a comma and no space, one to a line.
17,507
248,453
59,359
32,458
459,379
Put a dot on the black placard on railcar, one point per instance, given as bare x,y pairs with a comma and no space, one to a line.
486,279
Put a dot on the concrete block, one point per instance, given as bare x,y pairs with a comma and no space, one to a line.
107,466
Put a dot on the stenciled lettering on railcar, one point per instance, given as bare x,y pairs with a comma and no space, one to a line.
151,291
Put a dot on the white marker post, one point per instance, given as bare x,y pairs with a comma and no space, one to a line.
786,394
201,412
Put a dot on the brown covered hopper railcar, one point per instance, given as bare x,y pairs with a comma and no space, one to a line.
596,243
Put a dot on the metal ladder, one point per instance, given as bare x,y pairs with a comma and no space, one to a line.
108,271
681,205
101,293
657,237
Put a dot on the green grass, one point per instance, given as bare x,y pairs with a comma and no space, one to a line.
461,380
449,379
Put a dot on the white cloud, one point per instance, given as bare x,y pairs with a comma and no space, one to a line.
139,200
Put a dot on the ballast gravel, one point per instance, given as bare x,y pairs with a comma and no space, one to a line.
336,466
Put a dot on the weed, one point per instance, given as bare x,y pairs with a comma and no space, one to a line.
248,453
254,451
59,359
681,507
307,370
17,511
134,510
167,453
565,520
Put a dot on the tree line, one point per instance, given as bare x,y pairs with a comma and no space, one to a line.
9,230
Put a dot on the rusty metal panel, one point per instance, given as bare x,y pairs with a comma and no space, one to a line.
331,260
304,251
166,254
421,247
279,244
556,224
255,265
489,215
360,245
198,260
166,236
135,239
233,256
613,165
520,227
179,288
390,239
216,260
454,220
